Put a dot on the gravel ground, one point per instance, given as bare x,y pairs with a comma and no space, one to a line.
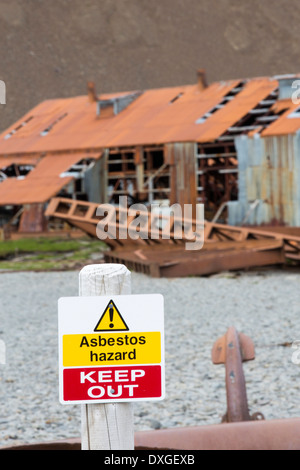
263,304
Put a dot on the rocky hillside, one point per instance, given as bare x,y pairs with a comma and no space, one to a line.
52,48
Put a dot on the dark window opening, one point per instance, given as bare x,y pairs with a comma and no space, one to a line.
157,159
16,171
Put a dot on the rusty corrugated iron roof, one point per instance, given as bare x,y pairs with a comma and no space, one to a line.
156,116
30,190
43,182
253,93
287,123
18,160
60,128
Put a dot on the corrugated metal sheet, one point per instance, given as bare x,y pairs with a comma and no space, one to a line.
54,165
43,182
269,172
18,160
183,157
30,191
157,116
287,123
253,92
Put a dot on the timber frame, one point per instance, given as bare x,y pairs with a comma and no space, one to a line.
184,173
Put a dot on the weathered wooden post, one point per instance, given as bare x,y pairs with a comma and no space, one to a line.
111,353
110,425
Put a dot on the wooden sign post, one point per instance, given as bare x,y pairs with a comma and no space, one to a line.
106,426
111,353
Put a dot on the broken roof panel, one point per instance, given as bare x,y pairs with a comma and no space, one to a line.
43,182
5,162
174,114
72,123
55,165
171,121
288,122
253,93
15,191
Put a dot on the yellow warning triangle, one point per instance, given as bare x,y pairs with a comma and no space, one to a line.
111,319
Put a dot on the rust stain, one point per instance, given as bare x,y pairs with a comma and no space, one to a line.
156,116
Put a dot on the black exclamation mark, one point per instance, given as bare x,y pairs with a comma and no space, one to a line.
111,316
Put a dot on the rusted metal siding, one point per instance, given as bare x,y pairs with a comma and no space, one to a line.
269,173
33,219
183,176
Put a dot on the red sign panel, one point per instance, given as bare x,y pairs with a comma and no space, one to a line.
113,384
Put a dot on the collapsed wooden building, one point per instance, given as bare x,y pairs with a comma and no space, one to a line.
231,145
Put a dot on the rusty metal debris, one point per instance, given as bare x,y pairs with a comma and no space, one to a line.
177,262
280,434
288,237
225,247
283,434
233,349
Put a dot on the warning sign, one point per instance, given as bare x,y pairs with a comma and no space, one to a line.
111,349
111,319
129,348
107,384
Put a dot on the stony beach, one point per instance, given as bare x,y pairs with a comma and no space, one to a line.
262,304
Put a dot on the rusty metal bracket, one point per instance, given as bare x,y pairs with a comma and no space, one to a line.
233,349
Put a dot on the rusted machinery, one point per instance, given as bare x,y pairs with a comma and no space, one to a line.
225,247
232,349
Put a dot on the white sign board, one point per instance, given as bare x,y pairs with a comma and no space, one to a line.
111,349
